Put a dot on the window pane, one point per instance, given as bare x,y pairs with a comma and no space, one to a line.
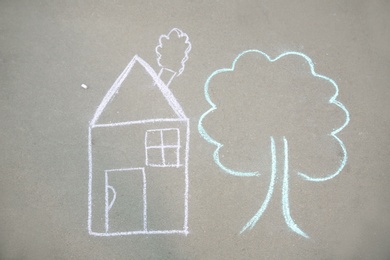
153,138
162,147
171,156
154,157
171,137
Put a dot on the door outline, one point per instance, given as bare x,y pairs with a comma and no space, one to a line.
109,204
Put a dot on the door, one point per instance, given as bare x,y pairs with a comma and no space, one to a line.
125,200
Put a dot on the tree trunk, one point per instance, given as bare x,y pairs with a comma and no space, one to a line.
285,201
252,222
285,189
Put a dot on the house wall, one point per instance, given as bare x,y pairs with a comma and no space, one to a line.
123,147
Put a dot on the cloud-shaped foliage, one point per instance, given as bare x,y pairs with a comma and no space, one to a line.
258,97
172,50
279,106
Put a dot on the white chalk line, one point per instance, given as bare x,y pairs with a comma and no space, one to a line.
106,201
170,98
117,84
144,194
165,165
178,148
136,122
141,232
108,205
126,169
112,91
186,159
162,146
186,120
181,118
180,34
89,179
170,80
146,150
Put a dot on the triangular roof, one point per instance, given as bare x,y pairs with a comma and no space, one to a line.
158,83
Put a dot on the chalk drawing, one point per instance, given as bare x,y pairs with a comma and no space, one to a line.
109,203
163,147
286,172
179,34
164,144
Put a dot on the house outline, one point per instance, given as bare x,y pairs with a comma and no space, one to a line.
180,118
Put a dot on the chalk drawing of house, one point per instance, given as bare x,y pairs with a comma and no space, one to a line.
138,149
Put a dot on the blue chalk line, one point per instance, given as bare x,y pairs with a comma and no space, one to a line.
251,223
285,201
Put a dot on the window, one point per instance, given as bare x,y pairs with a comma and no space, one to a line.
162,147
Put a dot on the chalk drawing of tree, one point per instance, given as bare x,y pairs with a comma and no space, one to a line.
280,107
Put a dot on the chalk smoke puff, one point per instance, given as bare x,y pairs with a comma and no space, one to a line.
172,53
